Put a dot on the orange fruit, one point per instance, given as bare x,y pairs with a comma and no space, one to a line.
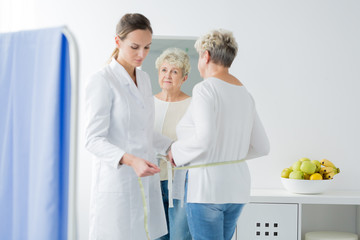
316,176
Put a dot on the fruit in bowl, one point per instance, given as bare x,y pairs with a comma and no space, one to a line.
306,186
308,167
302,176
296,175
286,172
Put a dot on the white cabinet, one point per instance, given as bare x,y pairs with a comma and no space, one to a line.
268,221
275,214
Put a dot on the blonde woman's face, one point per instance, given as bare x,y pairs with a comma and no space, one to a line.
135,47
170,77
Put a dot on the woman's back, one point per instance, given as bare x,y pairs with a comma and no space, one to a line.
219,122
234,116
220,125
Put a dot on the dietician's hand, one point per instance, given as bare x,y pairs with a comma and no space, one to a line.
141,166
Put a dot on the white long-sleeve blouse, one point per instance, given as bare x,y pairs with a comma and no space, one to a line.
221,124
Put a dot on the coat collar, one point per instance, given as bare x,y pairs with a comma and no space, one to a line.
123,76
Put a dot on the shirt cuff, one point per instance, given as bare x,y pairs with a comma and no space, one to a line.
116,161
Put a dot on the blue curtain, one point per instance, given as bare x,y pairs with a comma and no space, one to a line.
34,134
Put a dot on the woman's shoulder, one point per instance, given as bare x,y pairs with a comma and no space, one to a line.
229,81
143,79
210,82
185,101
142,74
223,86
184,97
100,78
158,99
204,87
101,73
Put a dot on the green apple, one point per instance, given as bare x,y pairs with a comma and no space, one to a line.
296,175
304,159
296,166
286,172
308,167
318,165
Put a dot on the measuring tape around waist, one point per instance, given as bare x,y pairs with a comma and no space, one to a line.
170,169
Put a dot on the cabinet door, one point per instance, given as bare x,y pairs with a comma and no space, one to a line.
268,221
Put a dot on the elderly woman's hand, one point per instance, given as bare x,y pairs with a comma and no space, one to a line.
171,159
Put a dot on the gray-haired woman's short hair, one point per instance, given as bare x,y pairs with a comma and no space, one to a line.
176,57
220,44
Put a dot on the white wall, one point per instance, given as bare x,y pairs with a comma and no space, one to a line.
299,59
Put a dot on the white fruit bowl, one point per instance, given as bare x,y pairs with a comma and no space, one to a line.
306,186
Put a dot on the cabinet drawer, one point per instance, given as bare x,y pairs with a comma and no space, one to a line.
268,221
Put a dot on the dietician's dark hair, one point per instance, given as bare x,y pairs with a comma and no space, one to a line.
128,23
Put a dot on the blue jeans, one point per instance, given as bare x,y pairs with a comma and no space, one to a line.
175,217
212,221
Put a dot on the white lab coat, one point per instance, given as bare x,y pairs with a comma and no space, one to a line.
119,120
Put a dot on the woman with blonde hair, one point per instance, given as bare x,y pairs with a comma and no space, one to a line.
218,132
120,135
173,67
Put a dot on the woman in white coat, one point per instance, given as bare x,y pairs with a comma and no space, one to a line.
219,130
120,135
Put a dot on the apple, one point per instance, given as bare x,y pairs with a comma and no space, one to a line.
308,167
296,166
286,172
296,175
318,165
304,159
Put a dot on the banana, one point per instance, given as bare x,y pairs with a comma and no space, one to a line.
329,175
326,163
324,170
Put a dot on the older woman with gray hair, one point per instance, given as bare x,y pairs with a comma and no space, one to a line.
170,105
219,131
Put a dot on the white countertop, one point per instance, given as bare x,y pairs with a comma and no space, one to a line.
347,197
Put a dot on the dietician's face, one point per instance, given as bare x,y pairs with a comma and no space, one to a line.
134,48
